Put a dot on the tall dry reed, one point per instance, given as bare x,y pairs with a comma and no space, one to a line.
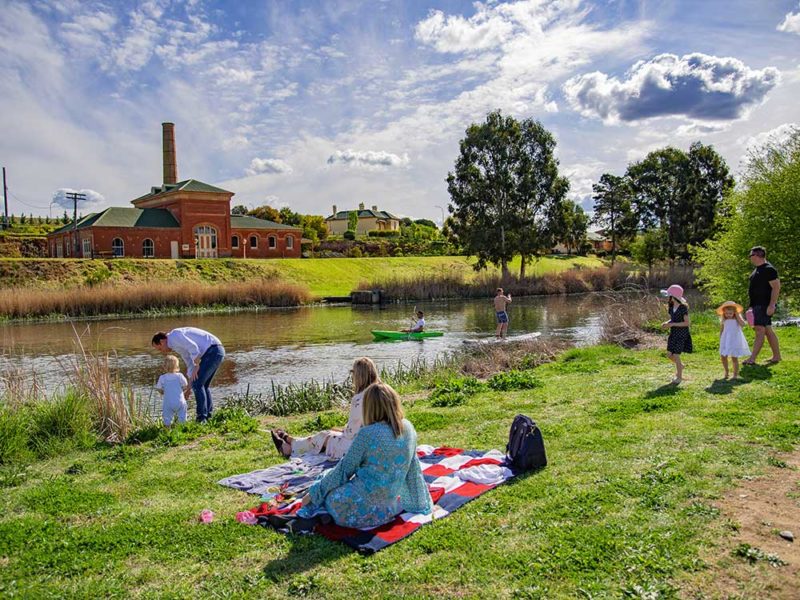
154,296
117,410
601,279
625,319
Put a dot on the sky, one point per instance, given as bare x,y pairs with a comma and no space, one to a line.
337,102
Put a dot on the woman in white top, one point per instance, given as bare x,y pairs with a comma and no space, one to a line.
333,443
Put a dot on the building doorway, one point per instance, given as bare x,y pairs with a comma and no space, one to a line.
205,242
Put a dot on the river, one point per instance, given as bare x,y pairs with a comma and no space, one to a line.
289,345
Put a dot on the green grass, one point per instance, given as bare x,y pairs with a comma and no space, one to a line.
624,508
324,277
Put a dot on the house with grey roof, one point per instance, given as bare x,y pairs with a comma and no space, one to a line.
368,220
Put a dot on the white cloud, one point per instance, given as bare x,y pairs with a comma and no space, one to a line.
790,23
777,135
368,159
487,29
92,200
696,86
701,128
270,166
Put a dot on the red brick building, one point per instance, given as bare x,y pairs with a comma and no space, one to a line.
179,219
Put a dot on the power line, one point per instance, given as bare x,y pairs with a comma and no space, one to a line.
13,195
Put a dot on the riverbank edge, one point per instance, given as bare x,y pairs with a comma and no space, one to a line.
661,484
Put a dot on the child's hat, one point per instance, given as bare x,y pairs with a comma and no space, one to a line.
729,304
675,291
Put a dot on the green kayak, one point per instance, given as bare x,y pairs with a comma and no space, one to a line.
401,335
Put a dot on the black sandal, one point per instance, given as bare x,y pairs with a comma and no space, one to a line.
279,442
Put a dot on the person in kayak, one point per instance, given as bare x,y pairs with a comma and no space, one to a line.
419,326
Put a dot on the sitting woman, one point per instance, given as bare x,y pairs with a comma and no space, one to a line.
380,476
333,443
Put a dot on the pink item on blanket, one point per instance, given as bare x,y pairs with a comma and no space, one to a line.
206,516
247,517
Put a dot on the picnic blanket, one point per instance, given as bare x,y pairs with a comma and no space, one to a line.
454,477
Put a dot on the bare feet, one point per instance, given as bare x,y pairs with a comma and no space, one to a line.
676,381
283,446
773,361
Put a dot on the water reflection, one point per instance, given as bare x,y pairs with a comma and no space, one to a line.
291,345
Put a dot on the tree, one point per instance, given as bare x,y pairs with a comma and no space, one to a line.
352,221
679,193
239,209
503,191
65,218
763,211
572,226
315,224
426,222
289,217
612,209
266,212
648,248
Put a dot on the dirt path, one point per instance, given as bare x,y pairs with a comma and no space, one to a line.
754,513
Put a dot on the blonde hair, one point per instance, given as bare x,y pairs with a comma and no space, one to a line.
171,364
725,311
382,405
365,373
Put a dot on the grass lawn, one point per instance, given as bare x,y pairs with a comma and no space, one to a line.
624,509
324,276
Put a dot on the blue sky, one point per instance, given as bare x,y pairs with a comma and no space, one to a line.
315,103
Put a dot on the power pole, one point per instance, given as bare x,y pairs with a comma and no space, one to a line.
5,200
75,196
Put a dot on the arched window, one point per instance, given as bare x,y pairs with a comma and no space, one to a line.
235,241
273,242
148,248
289,242
117,247
254,241
205,241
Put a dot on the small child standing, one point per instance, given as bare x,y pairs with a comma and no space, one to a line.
172,386
732,342
680,338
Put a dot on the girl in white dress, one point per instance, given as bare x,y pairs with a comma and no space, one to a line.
732,342
333,443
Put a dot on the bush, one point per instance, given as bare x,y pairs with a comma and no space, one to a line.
384,233
454,392
14,427
60,422
349,235
513,380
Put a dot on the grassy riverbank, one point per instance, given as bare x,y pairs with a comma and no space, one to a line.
626,508
323,276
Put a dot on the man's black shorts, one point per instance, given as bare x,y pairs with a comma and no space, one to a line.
760,316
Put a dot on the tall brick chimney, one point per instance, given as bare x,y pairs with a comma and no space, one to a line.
170,160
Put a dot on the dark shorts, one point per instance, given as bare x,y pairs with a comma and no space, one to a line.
760,316
502,316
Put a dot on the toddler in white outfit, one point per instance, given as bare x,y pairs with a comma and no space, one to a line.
732,342
172,386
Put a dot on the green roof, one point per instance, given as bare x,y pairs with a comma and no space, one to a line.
362,214
247,222
118,216
187,185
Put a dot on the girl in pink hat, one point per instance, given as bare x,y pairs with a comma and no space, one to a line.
680,339
731,337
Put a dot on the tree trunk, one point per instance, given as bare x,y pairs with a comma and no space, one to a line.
522,267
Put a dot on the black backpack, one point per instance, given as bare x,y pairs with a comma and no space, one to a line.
525,447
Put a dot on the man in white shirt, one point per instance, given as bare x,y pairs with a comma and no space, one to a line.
203,353
420,324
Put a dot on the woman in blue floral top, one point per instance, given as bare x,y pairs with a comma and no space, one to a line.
380,476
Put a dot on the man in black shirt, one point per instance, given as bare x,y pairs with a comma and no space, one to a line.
764,289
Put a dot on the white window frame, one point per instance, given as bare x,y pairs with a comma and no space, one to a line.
87,247
121,246
272,242
152,248
250,239
234,242
290,242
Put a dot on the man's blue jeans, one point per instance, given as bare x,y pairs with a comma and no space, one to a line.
209,363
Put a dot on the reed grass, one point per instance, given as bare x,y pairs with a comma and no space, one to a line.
445,284
144,297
